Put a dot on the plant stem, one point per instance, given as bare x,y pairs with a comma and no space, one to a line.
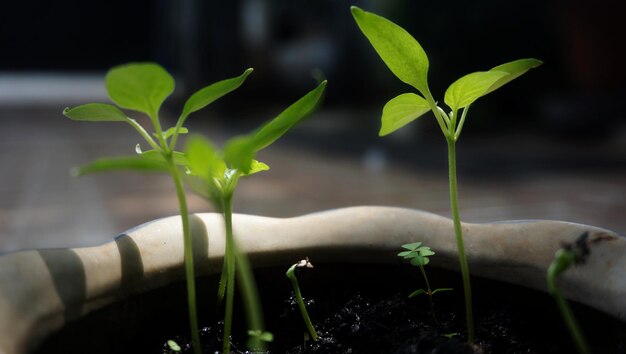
188,254
291,274
251,300
559,265
229,259
454,204
429,292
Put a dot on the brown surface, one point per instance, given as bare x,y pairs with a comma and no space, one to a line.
42,206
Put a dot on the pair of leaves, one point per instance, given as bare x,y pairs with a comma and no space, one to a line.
143,87
406,58
219,170
422,291
416,253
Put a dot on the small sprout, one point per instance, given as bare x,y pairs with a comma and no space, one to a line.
261,335
173,346
291,274
569,254
418,256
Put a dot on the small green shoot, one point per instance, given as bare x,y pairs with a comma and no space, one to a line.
407,60
291,274
143,87
266,337
215,174
418,256
173,346
569,254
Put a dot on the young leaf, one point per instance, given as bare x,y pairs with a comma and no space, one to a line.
406,254
441,289
402,110
256,167
170,131
140,87
136,163
239,153
203,159
471,87
396,47
207,95
419,260
412,246
417,292
514,69
288,118
95,112
425,251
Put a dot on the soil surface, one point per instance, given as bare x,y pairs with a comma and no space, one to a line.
368,311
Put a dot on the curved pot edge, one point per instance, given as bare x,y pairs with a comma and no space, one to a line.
42,289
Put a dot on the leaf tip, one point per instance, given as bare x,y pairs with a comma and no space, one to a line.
76,172
66,110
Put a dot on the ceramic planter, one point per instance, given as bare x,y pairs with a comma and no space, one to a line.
40,290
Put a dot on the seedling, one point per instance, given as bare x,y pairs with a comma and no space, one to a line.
143,87
215,174
418,256
173,346
569,254
408,61
291,274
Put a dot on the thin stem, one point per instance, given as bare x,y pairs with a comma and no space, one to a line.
143,133
159,132
560,264
229,255
443,122
467,290
296,290
430,295
179,125
188,254
457,133
251,299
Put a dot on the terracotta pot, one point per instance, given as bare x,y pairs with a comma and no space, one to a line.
41,290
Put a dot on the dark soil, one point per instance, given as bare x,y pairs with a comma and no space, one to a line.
367,311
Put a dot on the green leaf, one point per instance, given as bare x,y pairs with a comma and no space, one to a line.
402,110
179,158
136,163
417,292
419,260
239,153
406,253
169,132
278,126
412,246
514,69
208,94
256,167
425,251
396,47
140,87
173,346
203,159
95,112
471,87
441,289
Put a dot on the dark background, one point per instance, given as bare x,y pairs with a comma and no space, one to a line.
550,145
575,91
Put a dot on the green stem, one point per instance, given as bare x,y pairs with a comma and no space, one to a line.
143,133
454,204
430,295
251,300
188,254
229,255
291,274
559,265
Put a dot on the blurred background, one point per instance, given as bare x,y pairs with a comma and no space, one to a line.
551,145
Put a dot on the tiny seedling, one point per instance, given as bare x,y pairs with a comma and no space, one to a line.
215,174
406,59
418,256
173,346
143,87
291,274
569,254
